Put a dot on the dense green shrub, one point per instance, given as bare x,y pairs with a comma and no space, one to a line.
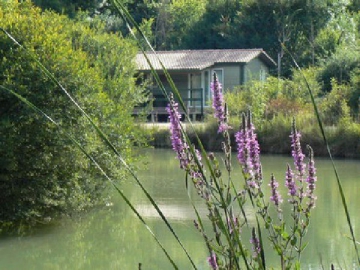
69,7
354,100
274,97
339,66
334,105
345,142
41,173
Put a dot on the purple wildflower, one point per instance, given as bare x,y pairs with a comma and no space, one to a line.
233,225
297,152
275,195
311,179
255,244
187,159
178,145
248,149
289,182
196,174
212,261
252,184
254,151
240,141
218,104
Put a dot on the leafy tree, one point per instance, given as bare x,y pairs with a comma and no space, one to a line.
143,9
333,106
326,43
340,65
354,6
153,18
212,30
41,173
269,24
183,15
354,100
69,7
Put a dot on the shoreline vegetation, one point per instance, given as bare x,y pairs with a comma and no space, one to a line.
344,141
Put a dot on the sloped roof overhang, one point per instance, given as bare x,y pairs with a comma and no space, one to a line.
197,60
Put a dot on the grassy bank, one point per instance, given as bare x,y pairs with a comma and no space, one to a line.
344,139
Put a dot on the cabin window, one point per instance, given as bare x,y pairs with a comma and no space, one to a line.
262,75
219,74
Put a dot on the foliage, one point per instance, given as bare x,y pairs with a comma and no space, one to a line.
310,30
346,139
274,97
69,7
333,106
184,14
253,96
354,100
340,78
339,66
41,174
211,29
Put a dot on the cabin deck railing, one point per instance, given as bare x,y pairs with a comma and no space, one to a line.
192,98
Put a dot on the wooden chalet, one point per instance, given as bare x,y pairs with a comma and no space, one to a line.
192,70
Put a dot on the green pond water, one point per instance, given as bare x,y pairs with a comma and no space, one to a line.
113,238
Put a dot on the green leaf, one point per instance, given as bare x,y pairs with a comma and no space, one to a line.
278,250
303,246
228,199
285,235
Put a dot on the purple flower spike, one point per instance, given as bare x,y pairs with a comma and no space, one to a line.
289,182
187,159
255,244
233,225
248,149
178,145
240,141
297,152
218,104
252,184
254,151
275,195
212,261
311,179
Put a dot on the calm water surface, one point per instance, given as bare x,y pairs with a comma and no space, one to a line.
113,238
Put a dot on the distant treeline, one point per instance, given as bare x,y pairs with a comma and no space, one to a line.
311,30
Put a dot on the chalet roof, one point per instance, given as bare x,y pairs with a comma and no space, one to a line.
200,59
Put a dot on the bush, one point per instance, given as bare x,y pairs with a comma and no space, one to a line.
346,140
339,66
42,174
333,105
273,97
